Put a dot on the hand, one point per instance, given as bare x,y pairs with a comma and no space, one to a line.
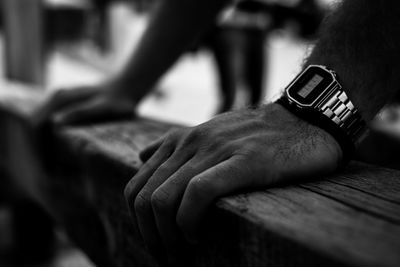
186,171
86,104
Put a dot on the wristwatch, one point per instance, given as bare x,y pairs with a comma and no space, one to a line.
316,96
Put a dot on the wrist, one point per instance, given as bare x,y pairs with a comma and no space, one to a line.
317,96
307,130
303,130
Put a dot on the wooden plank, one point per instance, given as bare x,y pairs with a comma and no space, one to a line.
322,224
387,187
356,186
358,199
120,142
376,191
338,229
349,219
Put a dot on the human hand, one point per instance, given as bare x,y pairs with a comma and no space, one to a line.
186,171
86,104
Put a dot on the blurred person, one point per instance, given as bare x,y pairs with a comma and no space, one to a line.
285,141
238,43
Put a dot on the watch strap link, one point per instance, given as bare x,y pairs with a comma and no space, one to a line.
325,105
341,111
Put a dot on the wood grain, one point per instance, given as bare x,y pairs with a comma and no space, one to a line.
351,217
322,225
78,174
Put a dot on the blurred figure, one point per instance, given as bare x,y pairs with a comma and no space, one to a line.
237,42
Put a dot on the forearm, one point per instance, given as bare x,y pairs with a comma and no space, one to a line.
175,25
361,42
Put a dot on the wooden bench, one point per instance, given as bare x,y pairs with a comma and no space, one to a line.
78,175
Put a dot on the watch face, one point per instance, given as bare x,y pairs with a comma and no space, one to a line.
309,85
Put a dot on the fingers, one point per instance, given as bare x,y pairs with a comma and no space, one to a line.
149,150
166,198
144,200
178,182
222,179
184,182
171,194
175,199
139,180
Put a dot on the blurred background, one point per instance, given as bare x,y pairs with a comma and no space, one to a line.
254,50
54,44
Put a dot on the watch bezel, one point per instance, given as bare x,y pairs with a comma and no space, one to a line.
328,83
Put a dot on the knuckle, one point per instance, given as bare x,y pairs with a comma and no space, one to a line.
219,140
169,139
162,169
194,134
174,134
142,203
169,143
160,200
200,188
235,147
215,145
192,138
250,150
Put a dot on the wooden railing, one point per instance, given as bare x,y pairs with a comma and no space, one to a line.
78,175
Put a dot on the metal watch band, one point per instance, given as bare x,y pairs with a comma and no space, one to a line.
340,110
316,96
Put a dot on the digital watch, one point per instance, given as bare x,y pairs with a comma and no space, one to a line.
316,96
